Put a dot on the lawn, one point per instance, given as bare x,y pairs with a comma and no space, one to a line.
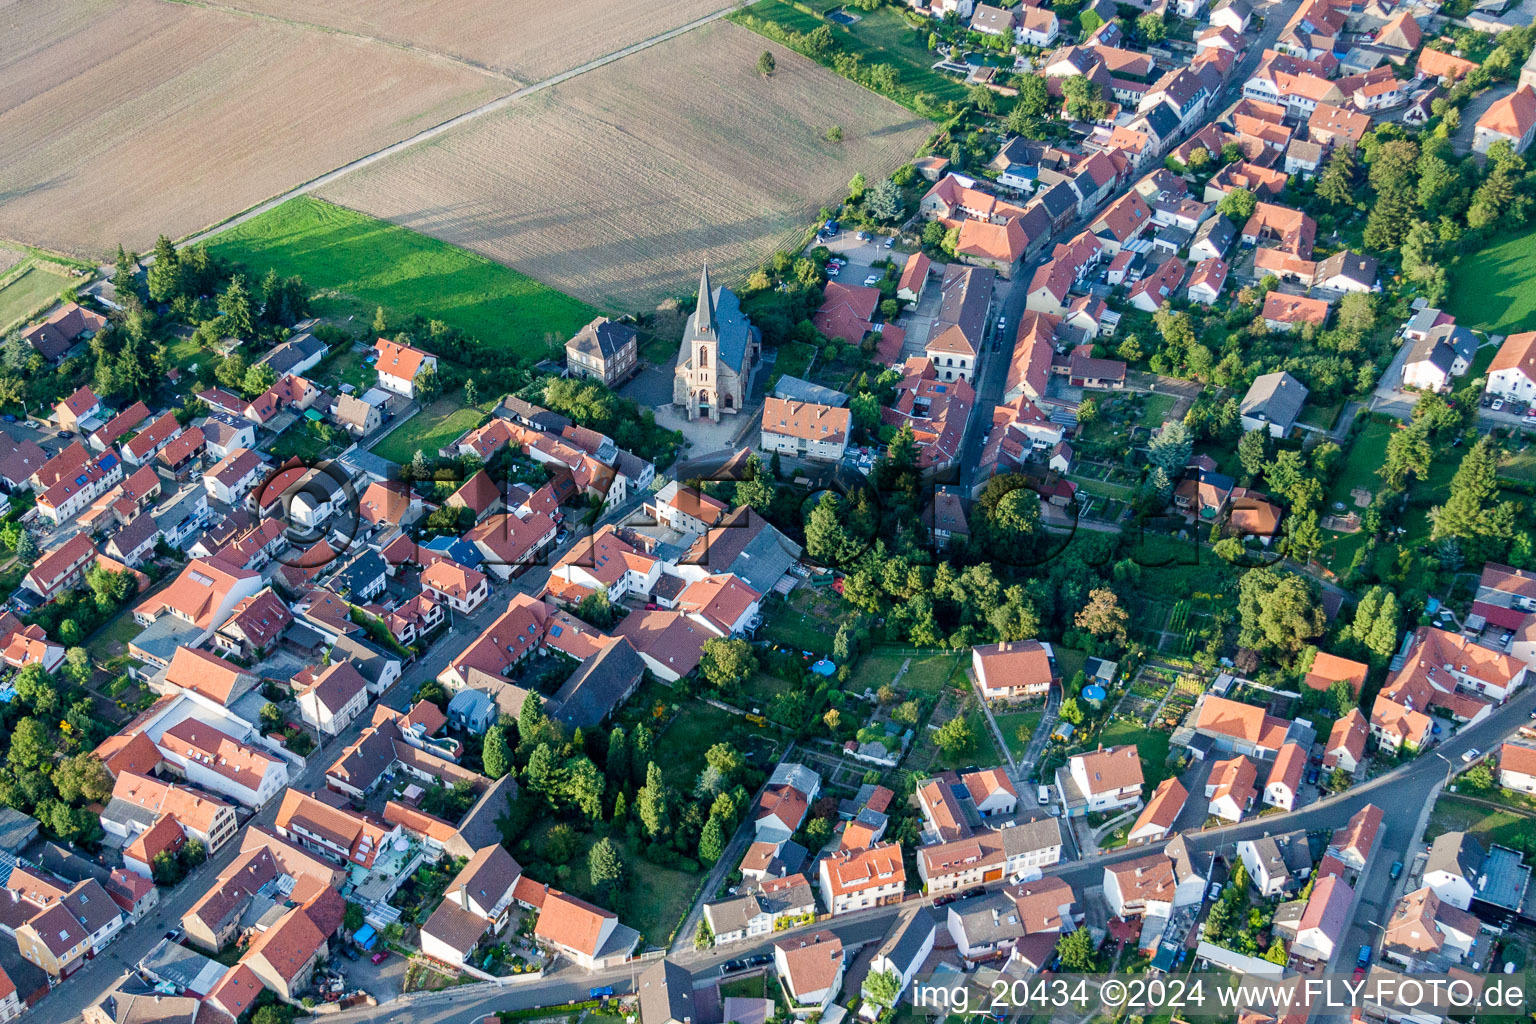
1009,722
1495,289
794,359
1453,814
34,286
1322,417
983,749
1102,488
432,428
1366,455
298,440
1151,744
792,628
929,674
881,36
697,727
380,264
1520,466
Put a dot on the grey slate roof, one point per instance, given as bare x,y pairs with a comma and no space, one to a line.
597,687
988,919
732,914
1458,854
16,829
1349,265
1276,397
602,338
666,994
905,942
796,390
1039,834
1162,121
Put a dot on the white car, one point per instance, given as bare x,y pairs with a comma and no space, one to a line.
1498,403
890,241
833,270
1471,755
871,280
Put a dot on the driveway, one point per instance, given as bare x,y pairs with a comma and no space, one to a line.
1461,142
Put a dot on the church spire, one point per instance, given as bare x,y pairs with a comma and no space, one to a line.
704,320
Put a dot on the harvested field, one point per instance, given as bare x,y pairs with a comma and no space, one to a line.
526,39
131,118
614,187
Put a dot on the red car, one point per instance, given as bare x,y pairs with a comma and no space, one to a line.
379,957
1359,973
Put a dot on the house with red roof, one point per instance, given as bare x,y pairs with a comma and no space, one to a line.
1517,767
78,408
400,366
1510,119
61,567
1014,669
1346,742
847,311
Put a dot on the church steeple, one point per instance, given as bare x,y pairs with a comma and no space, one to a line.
705,319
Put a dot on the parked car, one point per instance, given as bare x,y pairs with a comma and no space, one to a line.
975,890
732,966
379,957
945,900
601,992
833,270
349,951
871,280
1397,869
1365,956
1312,776
890,241
1498,403
1471,755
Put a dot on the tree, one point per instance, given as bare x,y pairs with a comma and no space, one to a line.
271,718
1034,100
380,321
835,133
727,663
1238,205
907,712
496,755
1170,449
1479,776
77,665
1077,952
1103,617
954,737
1150,26
825,540
766,64
36,689
471,394
530,717
711,841
1071,711
1409,453
426,385
26,548
617,763
883,200
83,779
1018,512
561,843
1277,611
30,744
235,304
651,802
1276,953
725,758
882,988
1473,513
1337,183
165,272
584,786
258,378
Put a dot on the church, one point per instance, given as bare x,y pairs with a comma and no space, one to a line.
720,347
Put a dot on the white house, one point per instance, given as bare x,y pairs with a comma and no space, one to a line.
1036,26
858,879
1102,780
1512,374
1231,787
811,970
1276,863
1285,777
902,953
1012,669
218,762
231,478
1325,920
805,430
1162,811
1517,767
1455,860
400,366
1145,885
334,699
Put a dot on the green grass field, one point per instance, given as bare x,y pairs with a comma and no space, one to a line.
34,287
431,428
380,264
1495,289
1453,814
881,36
1359,470
1010,721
